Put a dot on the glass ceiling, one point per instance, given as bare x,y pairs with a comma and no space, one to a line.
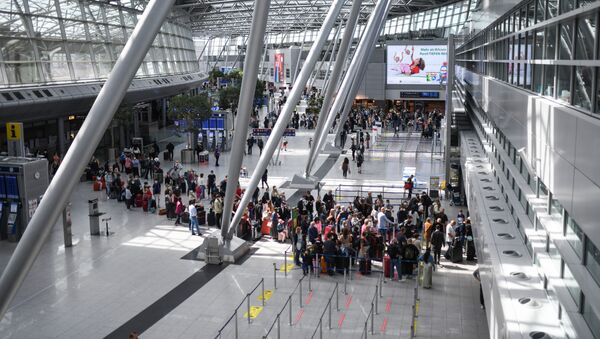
233,17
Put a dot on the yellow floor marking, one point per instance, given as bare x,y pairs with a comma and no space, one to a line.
268,294
287,268
254,312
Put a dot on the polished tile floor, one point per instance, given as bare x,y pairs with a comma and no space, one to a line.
140,278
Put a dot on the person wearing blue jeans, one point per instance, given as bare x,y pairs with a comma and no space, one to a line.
193,218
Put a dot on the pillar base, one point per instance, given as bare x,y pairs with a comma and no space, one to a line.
222,251
331,149
300,182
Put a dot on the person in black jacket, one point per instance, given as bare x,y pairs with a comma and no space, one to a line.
437,242
330,251
393,251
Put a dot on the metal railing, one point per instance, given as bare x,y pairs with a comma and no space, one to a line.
319,327
415,306
372,311
246,300
288,304
345,194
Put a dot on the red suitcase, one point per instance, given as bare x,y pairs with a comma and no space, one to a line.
96,186
139,201
386,266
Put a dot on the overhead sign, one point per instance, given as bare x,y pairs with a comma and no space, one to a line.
265,132
14,131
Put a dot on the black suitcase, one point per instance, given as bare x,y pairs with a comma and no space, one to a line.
341,264
211,219
201,217
457,254
364,266
185,218
166,155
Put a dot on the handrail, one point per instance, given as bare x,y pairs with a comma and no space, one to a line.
235,312
415,306
327,307
372,312
288,302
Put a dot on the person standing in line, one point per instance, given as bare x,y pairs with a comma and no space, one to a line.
437,242
218,208
156,188
194,218
393,251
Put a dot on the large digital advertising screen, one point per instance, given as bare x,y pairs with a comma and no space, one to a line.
279,68
417,64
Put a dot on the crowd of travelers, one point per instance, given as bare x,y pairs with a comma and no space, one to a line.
372,228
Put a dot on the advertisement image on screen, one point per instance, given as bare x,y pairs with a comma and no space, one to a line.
417,64
279,68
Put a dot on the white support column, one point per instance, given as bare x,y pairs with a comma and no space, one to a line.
335,78
251,63
86,141
288,108
360,58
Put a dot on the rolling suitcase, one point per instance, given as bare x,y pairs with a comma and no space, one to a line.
201,217
162,211
139,201
386,266
185,218
341,264
457,253
364,266
427,275
323,265
211,219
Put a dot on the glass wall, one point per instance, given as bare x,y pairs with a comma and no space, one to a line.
45,41
560,57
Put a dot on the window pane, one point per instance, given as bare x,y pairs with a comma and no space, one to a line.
586,37
541,9
592,262
550,43
564,83
552,9
583,87
548,80
565,42
574,236
566,5
572,285
539,44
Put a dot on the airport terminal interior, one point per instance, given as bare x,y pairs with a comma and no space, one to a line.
300,169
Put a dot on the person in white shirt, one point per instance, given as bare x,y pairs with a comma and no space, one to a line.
384,224
193,218
202,183
450,232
